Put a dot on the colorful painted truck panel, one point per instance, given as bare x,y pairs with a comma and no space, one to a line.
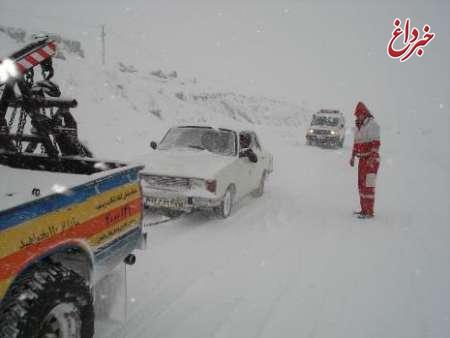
102,219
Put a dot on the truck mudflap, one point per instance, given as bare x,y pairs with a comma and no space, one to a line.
103,216
107,257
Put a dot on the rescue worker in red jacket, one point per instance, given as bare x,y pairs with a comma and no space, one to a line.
366,146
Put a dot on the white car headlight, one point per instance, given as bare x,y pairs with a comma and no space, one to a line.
311,131
210,185
7,69
333,132
197,183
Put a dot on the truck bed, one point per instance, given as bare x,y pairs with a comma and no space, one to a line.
16,185
26,177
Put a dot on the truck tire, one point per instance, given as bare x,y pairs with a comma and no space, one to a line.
48,301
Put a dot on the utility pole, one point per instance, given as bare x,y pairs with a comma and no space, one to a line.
103,35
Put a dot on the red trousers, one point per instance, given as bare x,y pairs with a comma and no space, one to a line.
367,174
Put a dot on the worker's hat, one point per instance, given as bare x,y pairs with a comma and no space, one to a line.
361,110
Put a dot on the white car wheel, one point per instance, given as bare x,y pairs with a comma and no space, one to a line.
224,210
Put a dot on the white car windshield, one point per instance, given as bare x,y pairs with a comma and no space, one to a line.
218,141
325,121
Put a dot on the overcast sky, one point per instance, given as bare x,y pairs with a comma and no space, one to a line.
327,53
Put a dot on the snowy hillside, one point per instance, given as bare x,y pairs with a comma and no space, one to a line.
150,100
295,262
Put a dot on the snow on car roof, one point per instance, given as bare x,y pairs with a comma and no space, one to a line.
329,116
329,111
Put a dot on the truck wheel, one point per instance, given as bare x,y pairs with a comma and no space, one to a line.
258,192
49,301
224,210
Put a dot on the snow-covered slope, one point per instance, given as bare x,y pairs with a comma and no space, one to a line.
133,106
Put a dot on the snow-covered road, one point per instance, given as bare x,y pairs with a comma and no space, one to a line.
296,263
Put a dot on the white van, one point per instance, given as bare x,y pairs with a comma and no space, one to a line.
327,129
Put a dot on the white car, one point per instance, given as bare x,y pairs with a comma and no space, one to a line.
201,167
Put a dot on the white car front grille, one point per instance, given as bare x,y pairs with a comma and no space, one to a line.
167,182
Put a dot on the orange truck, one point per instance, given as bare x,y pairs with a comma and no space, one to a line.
58,243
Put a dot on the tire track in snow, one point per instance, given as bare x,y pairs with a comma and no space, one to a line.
144,314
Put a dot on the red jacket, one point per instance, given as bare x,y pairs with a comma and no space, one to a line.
367,139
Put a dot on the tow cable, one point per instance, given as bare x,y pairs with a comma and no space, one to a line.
162,218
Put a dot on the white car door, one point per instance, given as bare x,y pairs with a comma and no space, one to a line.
242,176
261,165
246,171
